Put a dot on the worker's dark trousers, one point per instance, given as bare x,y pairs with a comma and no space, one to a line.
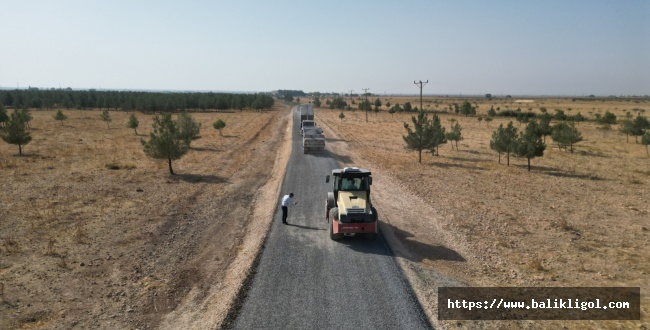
284,214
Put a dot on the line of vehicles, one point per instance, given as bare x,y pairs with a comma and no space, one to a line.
313,139
349,210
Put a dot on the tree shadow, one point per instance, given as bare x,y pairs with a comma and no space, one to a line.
537,168
450,165
198,178
421,251
230,136
591,154
205,149
575,175
473,152
34,154
560,173
463,159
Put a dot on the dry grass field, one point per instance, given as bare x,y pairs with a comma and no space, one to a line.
580,219
93,234
96,235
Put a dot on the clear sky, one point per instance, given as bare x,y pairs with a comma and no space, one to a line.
554,47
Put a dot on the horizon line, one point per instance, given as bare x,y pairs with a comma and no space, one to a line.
325,93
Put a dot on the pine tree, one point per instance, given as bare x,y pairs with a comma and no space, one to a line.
607,118
106,117
454,135
421,137
544,125
491,112
504,139
529,144
467,109
165,142
408,107
188,128
133,123
60,116
219,125
645,140
377,103
566,134
438,134
626,127
3,115
639,126
25,115
341,115
16,131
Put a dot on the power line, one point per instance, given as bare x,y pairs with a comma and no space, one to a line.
421,85
367,105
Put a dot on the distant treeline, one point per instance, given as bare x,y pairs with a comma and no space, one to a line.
129,101
294,93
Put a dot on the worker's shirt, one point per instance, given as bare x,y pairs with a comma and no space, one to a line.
286,200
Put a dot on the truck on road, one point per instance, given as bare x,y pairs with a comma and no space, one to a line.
306,112
306,125
306,116
312,137
313,140
349,209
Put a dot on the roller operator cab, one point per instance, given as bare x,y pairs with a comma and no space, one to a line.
349,207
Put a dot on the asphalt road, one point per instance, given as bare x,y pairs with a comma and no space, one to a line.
307,281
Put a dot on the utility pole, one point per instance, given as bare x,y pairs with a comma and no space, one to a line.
421,85
365,91
351,98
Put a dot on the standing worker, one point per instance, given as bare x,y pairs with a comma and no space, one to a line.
286,201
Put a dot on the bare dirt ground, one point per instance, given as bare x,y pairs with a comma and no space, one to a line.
461,218
95,235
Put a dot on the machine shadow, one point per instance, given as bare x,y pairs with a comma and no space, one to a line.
363,244
303,227
420,251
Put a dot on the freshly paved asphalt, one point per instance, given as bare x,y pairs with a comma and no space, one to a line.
307,281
